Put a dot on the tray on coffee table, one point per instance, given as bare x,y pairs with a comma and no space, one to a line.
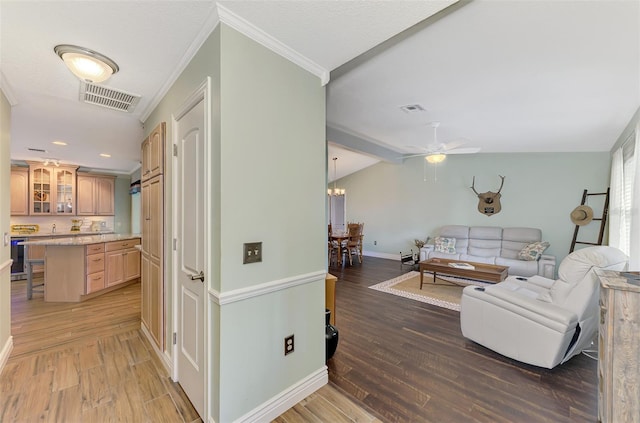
478,271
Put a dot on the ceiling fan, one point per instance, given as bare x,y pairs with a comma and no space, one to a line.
437,152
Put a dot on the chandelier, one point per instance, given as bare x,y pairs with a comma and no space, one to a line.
335,191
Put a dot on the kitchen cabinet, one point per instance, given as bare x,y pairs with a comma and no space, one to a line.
78,268
122,261
618,349
95,268
19,191
152,189
153,153
95,195
152,298
52,189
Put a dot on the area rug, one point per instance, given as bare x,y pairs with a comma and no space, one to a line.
445,292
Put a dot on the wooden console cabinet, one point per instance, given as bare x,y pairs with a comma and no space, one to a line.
618,350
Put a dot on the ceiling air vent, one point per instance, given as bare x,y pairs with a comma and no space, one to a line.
108,97
412,108
36,150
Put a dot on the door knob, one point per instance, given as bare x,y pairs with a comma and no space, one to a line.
198,276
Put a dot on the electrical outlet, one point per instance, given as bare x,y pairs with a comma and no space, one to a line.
375,242
288,345
252,252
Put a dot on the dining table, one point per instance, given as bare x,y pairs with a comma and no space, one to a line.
339,237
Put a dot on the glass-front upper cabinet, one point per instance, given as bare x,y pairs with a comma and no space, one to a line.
52,189
41,190
65,191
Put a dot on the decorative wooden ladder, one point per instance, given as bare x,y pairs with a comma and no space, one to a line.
603,220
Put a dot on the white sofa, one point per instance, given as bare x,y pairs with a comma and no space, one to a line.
494,245
541,321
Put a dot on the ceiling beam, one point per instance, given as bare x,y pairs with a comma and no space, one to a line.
361,145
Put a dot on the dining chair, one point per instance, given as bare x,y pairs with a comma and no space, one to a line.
354,242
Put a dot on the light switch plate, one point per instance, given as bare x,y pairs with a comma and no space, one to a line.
252,252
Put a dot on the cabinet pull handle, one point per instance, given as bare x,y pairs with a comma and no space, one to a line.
198,276
97,259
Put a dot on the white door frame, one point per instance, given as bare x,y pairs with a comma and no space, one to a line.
203,92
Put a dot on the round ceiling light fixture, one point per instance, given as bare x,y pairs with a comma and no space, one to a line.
435,157
86,64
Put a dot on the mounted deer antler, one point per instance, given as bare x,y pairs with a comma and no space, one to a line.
489,203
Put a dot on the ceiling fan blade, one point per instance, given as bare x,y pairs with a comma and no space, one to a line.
407,156
469,150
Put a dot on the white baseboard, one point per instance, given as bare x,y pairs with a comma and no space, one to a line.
166,361
395,257
277,405
6,352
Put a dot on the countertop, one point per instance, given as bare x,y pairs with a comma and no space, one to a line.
85,239
58,234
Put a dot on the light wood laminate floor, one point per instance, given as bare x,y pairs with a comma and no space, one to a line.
89,362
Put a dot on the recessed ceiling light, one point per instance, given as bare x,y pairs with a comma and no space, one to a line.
105,155
59,143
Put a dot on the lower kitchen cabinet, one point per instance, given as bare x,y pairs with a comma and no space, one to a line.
152,298
123,261
75,271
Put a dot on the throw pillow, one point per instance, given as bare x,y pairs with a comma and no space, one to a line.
445,245
533,251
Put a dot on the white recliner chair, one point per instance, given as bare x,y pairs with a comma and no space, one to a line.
540,321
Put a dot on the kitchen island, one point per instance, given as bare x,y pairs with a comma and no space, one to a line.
81,267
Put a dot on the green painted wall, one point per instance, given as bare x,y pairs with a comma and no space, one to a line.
122,218
268,185
540,191
272,190
5,210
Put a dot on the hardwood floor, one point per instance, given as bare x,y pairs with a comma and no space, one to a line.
86,362
407,361
398,360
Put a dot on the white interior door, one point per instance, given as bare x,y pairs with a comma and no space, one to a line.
190,253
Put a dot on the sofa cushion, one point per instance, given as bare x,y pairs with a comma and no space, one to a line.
437,254
478,259
445,245
533,251
460,233
515,239
518,267
484,241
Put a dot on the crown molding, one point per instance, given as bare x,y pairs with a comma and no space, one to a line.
258,35
210,24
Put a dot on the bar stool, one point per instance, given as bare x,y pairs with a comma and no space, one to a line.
29,263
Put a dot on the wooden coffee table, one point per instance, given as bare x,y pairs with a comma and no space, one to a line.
482,272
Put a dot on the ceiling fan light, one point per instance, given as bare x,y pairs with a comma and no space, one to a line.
435,158
86,64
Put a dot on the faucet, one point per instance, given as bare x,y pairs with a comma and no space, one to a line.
53,229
